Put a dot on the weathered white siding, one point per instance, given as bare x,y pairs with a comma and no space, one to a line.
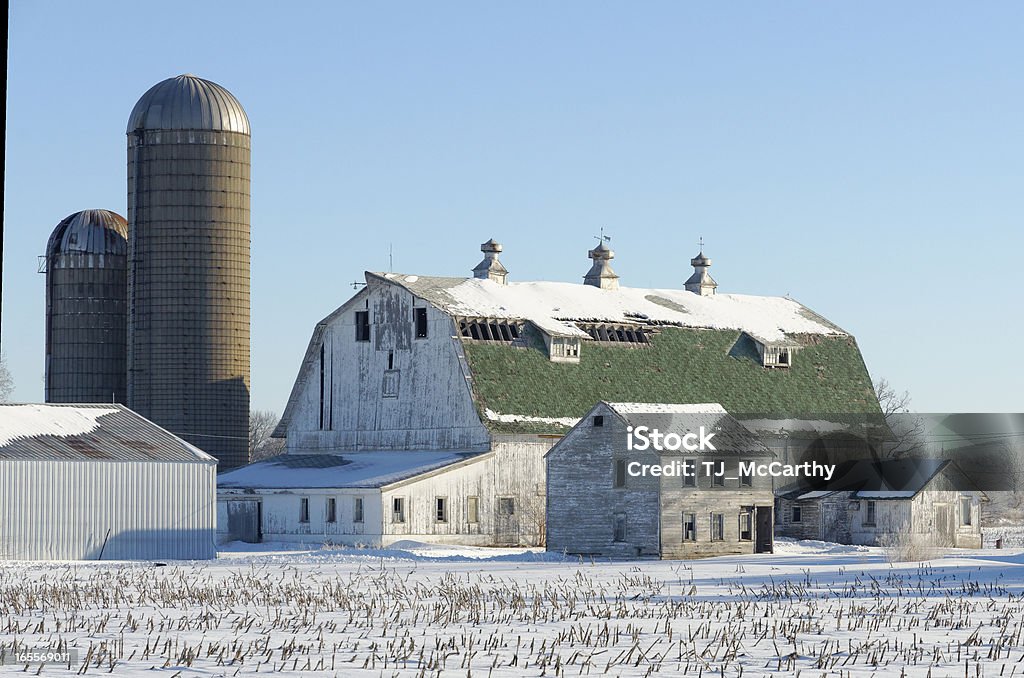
395,391
281,516
74,510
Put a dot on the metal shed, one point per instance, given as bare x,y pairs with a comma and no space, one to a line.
100,482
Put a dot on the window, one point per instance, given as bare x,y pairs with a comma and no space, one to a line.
481,329
599,420
332,510
620,473
965,510
473,509
870,519
357,510
796,514
419,316
506,506
389,384
622,334
689,473
718,479
304,510
391,360
746,526
746,478
321,387
619,527
441,509
717,526
398,510
689,527
362,325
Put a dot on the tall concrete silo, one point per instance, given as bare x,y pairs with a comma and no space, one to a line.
87,309
188,283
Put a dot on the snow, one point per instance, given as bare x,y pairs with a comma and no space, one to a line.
667,408
413,609
29,421
351,469
513,418
550,304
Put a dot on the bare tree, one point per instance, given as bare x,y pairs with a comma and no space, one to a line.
907,428
6,380
261,446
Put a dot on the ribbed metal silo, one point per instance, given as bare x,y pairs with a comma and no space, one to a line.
188,210
87,309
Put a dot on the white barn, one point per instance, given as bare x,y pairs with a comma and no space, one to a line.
100,482
482,364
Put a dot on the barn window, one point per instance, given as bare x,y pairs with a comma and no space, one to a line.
473,509
796,514
391,360
420,318
398,510
620,473
718,479
362,325
441,509
619,531
357,510
965,510
717,526
615,334
304,510
483,329
689,473
689,527
746,478
321,387
746,526
599,420
870,519
506,506
332,510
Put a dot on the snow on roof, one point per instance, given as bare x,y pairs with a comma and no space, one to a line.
667,408
523,418
552,305
27,421
349,470
98,432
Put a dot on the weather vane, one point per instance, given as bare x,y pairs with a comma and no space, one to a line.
603,238
701,243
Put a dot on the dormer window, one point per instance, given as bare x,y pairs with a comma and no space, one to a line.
616,334
776,356
482,329
565,347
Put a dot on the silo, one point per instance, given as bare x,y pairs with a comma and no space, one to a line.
87,308
188,210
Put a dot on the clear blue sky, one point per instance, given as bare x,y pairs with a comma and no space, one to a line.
867,158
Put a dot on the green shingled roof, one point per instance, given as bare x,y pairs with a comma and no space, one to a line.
682,365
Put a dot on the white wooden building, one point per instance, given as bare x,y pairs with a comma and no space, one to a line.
482,364
603,499
920,498
99,482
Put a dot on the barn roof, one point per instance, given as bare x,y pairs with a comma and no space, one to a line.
349,470
701,349
101,432
556,306
902,478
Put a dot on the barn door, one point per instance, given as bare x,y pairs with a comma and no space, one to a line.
506,522
944,524
765,538
244,521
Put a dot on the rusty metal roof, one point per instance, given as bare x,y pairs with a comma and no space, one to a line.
188,102
94,432
90,232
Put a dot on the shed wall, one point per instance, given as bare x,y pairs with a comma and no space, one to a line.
74,510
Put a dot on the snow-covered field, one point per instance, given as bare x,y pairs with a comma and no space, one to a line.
811,609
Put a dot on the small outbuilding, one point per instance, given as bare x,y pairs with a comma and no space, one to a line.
923,499
606,499
100,482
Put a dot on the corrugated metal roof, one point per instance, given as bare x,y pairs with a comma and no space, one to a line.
90,232
188,102
98,432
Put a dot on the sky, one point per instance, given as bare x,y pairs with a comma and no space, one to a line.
865,158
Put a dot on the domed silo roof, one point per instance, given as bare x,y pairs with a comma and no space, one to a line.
188,102
90,232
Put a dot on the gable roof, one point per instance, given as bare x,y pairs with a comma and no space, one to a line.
885,479
101,432
349,470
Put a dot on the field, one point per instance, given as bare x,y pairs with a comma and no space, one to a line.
811,609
